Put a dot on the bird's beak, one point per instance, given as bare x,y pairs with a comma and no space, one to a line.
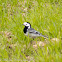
22,24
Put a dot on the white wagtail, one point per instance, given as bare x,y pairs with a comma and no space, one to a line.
30,31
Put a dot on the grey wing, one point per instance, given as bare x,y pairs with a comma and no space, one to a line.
35,33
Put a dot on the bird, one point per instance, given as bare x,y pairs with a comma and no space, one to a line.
28,31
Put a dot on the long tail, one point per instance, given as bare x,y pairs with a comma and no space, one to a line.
44,36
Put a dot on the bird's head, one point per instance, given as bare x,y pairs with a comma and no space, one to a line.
27,24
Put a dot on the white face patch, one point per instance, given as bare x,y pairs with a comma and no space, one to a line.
26,24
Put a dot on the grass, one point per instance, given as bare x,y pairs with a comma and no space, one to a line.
45,16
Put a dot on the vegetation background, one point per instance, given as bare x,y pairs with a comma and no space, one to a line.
45,16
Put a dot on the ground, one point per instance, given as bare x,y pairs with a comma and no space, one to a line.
45,16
